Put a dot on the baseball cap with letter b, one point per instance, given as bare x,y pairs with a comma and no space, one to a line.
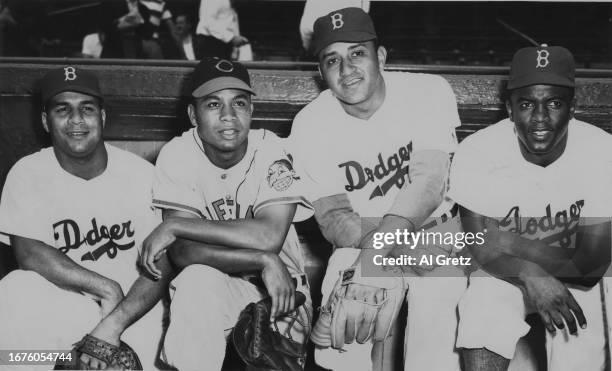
343,25
546,65
69,78
214,74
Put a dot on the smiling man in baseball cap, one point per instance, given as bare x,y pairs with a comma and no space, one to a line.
522,181
229,195
75,215
403,119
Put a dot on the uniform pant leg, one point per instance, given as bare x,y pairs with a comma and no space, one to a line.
491,315
431,330
587,349
145,335
205,306
37,315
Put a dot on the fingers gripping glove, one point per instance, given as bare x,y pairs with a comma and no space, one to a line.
260,346
120,357
359,309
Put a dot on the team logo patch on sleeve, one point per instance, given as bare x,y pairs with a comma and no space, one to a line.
281,175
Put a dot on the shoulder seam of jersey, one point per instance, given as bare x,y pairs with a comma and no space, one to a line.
277,200
173,205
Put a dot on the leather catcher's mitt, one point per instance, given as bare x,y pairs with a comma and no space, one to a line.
344,320
122,357
263,348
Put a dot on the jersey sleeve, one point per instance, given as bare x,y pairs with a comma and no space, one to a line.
174,185
149,216
22,213
438,117
469,182
281,183
321,176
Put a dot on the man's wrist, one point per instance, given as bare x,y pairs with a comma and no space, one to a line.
529,271
265,259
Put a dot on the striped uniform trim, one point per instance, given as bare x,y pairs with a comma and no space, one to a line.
176,206
283,200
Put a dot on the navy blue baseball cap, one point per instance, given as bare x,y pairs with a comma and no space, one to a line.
69,78
344,25
214,74
546,65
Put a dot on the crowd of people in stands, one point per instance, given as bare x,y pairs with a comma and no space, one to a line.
137,33
417,33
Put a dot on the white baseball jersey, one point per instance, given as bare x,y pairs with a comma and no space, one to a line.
186,180
490,176
369,159
99,223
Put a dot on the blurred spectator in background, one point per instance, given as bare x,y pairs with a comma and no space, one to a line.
142,25
217,32
15,36
314,9
104,43
185,35
93,44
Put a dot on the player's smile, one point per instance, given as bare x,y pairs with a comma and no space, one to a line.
353,72
77,133
229,134
541,114
75,122
351,81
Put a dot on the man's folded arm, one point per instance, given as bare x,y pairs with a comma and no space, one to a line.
62,271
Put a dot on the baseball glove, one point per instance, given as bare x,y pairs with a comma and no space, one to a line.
344,320
120,357
263,348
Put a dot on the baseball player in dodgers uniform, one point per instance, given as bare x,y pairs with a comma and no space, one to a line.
229,196
75,214
538,183
377,145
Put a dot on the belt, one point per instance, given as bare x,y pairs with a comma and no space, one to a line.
298,280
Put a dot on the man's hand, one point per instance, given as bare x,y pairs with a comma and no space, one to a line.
103,331
154,246
279,284
239,40
554,302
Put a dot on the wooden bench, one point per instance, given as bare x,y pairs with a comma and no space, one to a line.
146,105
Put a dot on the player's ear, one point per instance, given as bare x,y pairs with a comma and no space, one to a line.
103,114
572,107
509,109
382,57
192,115
319,69
43,118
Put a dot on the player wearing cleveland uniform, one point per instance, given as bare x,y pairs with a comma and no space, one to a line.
229,196
376,145
76,214
538,184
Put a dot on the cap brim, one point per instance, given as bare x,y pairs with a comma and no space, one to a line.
347,37
541,78
220,83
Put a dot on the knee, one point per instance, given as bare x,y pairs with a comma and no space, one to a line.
200,278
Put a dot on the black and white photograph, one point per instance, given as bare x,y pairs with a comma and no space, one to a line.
305,185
